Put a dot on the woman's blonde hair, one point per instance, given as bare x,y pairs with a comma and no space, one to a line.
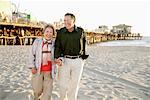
49,26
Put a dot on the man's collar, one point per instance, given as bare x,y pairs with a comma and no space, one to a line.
75,29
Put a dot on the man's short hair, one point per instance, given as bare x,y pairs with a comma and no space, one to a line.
72,16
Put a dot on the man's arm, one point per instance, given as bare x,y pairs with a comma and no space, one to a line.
57,50
84,55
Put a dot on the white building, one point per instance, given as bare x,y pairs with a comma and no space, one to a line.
121,29
5,10
102,29
59,24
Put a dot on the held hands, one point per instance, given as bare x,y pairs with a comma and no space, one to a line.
58,62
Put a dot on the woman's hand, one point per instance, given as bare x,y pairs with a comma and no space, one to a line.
34,70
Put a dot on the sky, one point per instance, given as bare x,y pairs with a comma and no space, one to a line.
92,13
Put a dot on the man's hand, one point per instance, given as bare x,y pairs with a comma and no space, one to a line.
34,70
58,62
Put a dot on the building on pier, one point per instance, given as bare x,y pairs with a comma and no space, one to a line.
121,29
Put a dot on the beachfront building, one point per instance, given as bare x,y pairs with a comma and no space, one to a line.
102,29
20,17
58,24
5,10
10,13
17,25
121,29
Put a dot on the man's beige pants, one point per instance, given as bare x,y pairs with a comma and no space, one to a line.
42,83
69,78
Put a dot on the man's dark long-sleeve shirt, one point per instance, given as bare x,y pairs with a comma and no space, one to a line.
70,43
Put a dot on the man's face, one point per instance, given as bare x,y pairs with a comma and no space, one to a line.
69,22
48,33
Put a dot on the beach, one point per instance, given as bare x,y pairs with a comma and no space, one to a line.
112,72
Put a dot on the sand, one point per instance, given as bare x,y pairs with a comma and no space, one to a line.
110,73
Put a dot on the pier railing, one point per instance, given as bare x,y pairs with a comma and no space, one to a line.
93,37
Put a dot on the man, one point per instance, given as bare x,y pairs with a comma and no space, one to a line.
69,53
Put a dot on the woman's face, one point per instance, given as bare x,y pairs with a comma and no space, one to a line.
48,33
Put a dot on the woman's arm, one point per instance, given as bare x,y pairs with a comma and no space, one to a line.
32,55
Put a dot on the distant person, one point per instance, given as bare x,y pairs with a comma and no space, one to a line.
17,40
22,32
1,32
70,54
39,33
41,61
5,31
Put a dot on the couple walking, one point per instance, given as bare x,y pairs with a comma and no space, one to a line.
67,52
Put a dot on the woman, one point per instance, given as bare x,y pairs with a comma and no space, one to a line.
41,62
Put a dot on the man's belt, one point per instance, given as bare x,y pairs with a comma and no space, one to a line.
72,57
